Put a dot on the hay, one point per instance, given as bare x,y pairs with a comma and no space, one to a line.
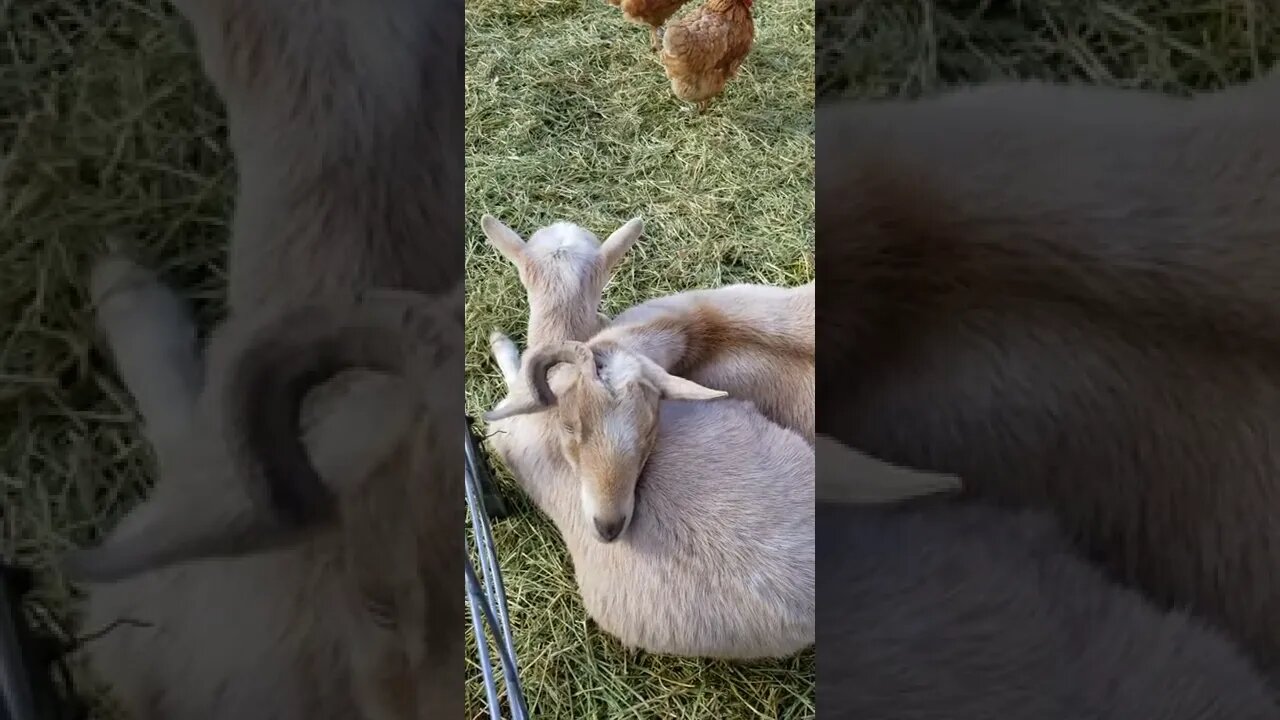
569,116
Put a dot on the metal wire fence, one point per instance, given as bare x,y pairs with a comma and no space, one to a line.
486,596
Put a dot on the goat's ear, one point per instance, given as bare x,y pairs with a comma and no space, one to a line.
845,475
673,387
617,244
506,240
513,408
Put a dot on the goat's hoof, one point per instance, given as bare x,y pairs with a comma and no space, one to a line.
497,337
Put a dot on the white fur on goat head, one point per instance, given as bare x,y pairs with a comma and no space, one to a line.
563,268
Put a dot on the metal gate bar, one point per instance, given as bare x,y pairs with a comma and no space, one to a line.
486,596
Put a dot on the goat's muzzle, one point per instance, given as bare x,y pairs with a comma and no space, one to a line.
608,529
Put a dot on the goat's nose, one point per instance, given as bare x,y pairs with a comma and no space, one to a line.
609,530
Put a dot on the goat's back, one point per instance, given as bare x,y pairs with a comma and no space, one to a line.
776,375
968,612
719,558
755,342
783,392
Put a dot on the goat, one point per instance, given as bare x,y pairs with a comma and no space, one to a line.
276,577
1067,297
563,269
718,557
754,342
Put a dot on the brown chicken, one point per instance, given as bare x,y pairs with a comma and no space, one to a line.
703,50
653,13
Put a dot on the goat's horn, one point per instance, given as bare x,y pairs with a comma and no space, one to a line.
540,362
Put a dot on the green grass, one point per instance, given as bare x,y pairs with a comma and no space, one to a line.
569,116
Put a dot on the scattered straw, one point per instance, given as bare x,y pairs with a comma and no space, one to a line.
569,116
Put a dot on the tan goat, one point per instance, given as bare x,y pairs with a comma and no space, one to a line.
274,578
718,558
754,341
1067,296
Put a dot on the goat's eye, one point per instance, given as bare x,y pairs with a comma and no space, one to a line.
570,428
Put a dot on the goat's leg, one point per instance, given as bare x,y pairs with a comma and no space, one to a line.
152,338
508,357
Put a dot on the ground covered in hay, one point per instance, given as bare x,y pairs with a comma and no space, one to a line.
569,116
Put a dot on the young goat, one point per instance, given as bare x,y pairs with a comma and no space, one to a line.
327,581
1067,297
753,341
564,269
970,612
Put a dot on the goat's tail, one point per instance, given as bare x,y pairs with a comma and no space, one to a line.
395,332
